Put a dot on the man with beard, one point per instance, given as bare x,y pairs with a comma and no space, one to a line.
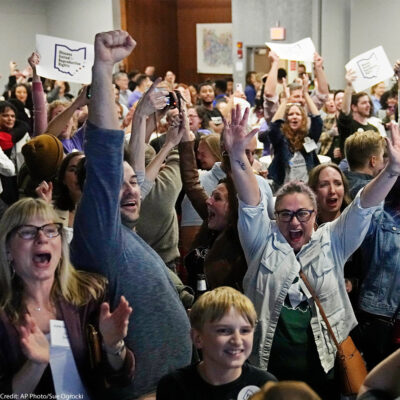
356,109
207,96
104,241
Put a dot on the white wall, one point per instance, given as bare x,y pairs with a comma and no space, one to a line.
79,19
21,20
335,45
375,23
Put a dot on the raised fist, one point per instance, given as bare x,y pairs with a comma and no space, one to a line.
112,47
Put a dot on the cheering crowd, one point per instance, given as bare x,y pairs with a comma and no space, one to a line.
191,241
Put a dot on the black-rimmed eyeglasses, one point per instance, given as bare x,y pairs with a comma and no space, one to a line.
29,232
302,215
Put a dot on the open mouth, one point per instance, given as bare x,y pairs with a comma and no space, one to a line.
332,202
42,258
211,214
129,203
295,234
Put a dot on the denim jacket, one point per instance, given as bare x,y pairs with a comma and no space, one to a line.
380,291
272,267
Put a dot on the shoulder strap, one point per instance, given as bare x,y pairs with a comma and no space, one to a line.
321,310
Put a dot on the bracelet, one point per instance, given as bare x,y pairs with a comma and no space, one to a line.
120,347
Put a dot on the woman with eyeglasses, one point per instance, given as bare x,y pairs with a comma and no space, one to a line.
49,310
293,142
291,339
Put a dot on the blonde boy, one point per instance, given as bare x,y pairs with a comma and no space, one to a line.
223,322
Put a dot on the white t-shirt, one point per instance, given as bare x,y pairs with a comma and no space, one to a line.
296,168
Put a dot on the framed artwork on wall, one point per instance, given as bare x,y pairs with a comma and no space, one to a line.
214,48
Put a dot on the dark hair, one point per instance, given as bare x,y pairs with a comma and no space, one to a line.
206,83
336,92
282,73
248,77
204,116
140,79
356,96
6,104
63,200
28,102
66,84
221,85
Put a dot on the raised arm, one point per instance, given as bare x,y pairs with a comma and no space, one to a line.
280,112
377,189
38,98
348,92
320,75
154,99
172,139
272,79
110,48
100,202
189,173
236,139
57,124
312,108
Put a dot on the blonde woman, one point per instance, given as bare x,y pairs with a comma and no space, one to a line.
43,296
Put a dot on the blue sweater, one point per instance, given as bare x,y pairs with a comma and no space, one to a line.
158,328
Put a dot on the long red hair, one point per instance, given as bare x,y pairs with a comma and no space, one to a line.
295,138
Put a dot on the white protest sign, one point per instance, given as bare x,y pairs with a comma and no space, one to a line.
303,50
64,60
370,68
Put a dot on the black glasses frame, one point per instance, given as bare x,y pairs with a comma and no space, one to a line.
295,213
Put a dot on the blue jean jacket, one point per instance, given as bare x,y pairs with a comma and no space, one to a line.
380,291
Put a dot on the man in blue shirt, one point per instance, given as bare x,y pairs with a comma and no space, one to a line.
104,241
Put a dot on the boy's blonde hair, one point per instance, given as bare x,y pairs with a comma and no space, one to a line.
213,305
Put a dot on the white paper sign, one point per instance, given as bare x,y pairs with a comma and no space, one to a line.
64,60
303,50
370,68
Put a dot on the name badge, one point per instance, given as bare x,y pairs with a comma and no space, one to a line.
309,145
58,334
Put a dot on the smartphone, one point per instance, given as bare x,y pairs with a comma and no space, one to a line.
239,87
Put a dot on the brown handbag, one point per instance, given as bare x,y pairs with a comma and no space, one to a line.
352,367
94,345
